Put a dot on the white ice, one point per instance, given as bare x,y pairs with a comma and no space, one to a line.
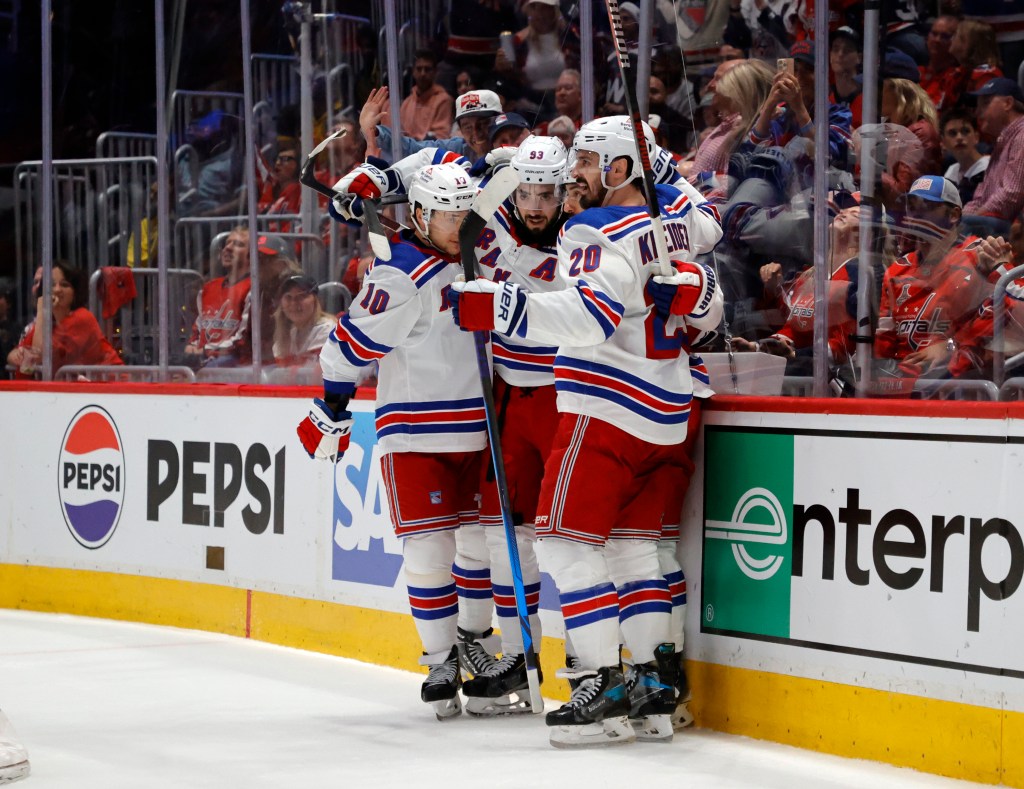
111,704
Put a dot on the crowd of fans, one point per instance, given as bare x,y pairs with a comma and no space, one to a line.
944,219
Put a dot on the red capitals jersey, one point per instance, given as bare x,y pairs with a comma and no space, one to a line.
922,305
222,326
841,325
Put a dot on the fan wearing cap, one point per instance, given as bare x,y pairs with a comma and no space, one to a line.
429,419
473,111
796,90
508,130
301,326
932,293
844,59
220,334
1000,196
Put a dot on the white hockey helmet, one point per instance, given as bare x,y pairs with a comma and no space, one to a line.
540,160
611,138
440,187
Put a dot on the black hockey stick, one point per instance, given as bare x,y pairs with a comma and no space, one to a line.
633,106
498,188
378,238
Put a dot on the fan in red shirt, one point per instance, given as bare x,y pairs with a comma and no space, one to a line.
77,338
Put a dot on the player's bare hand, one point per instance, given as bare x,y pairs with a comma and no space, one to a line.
742,344
373,110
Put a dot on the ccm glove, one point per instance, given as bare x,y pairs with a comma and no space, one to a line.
680,293
369,180
482,305
325,434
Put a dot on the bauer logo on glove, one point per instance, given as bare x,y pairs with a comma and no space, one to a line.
324,434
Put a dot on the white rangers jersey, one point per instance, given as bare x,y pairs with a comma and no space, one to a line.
617,360
501,257
428,390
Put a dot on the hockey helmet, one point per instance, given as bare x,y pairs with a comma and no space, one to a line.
440,187
540,160
611,138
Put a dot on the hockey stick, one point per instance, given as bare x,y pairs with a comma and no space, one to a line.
638,137
498,188
378,238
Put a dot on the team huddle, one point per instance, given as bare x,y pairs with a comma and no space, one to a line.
597,383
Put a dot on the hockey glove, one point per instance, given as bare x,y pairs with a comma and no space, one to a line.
346,208
369,180
679,293
325,434
482,305
494,160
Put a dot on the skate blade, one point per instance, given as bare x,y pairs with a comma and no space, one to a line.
446,709
611,731
511,704
682,717
653,728
14,772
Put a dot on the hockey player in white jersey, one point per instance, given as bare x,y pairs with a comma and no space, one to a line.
518,245
429,416
623,387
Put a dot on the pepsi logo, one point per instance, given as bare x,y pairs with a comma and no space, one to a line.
91,476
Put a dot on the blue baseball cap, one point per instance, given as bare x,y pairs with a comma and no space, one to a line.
936,189
1000,86
507,120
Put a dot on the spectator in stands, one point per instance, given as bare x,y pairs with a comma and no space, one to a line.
301,325
427,110
563,128
930,295
844,59
343,153
216,139
942,78
906,104
615,90
221,334
960,140
473,30
568,99
543,50
282,192
276,263
508,129
797,91
473,112
977,51
796,305
77,337
468,79
739,92
1000,196
667,65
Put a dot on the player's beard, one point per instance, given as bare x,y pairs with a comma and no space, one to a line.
592,199
546,237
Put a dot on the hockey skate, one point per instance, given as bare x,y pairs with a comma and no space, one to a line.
597,712
441,687
503,690
476,652
682,717
652,695
13,757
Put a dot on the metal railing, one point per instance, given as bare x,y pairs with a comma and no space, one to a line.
188,106
193,235
276,79
125,145
134,330
98,211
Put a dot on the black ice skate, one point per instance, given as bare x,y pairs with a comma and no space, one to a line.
503,690
652,695
441,687
476,652
572,663
682,717
597,712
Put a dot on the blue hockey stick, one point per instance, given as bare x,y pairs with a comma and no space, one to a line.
493,194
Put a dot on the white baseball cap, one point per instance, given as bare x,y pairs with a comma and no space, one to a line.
477,104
